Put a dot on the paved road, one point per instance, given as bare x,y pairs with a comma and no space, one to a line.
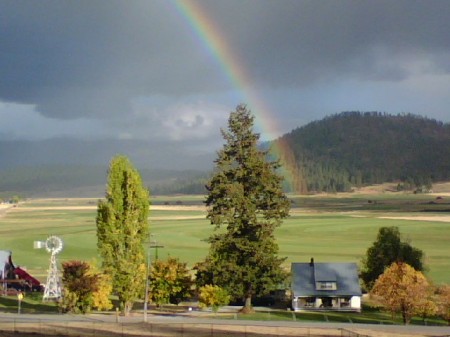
195,318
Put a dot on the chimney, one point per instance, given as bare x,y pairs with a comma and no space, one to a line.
311,264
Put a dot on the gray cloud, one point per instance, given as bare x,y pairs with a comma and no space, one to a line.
136,69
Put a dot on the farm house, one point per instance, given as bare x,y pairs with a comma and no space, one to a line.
325,286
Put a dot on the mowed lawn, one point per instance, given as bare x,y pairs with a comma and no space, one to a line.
327,229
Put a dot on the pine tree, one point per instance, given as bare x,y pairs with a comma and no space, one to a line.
122,228
245,204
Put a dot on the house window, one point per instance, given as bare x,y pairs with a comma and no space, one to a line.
326,286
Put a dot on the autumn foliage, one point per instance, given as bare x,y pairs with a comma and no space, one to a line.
402,289
170,281
211,296
444,302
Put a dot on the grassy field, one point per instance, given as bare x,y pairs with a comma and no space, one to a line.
328,228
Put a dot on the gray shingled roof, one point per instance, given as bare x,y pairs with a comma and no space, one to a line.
304,276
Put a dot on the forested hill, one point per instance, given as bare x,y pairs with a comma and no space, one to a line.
355,148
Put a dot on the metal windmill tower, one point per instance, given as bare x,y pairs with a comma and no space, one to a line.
54,246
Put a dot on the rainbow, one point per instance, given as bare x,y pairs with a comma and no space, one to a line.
213,42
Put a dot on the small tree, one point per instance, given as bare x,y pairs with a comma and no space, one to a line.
100,297
387,249
213,297
245,198
122,228
170,281
80,284
15,199
444,302
402,289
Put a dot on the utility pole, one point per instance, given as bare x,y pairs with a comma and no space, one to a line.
153,244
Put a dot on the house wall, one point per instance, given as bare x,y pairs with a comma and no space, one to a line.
337,303
355,302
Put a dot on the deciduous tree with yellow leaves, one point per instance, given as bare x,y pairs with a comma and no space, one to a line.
213,296
402,289
170,281
444,302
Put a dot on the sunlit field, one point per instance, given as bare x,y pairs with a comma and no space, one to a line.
327,228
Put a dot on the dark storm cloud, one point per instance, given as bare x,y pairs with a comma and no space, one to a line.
92,58
295,42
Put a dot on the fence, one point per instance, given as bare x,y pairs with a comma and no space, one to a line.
100,329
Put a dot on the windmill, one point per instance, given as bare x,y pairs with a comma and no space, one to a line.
54,246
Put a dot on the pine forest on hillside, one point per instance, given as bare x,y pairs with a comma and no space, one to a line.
355,149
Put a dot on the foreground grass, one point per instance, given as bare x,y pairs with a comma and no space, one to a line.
32,304
367,316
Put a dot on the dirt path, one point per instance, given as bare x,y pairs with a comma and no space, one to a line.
4,208
441,218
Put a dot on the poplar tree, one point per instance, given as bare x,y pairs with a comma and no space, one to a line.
245,203
122,229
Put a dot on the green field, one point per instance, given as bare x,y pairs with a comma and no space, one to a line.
332,228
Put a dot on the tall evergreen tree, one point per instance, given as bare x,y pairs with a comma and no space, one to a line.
122,228
245,204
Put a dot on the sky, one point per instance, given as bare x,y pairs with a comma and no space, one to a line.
168,73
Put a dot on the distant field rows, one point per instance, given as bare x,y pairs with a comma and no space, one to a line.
328,229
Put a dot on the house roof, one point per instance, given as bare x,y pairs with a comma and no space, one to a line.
305,276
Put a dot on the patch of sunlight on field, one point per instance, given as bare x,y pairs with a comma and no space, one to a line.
328,229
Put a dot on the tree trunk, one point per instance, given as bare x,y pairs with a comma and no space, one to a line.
248,309
126,307
405,315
